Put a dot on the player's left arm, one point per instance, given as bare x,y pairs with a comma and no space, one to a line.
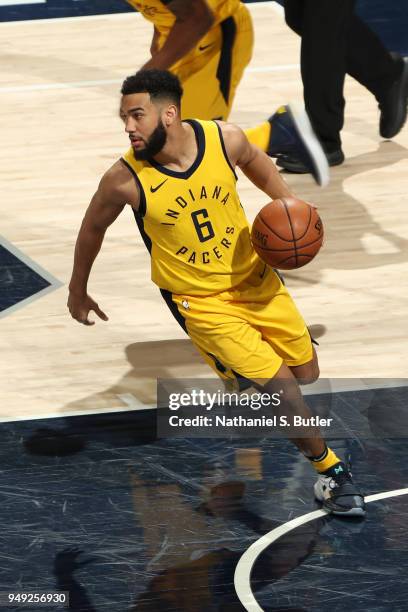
193,19
254,163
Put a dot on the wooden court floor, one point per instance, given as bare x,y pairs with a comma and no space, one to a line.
59,84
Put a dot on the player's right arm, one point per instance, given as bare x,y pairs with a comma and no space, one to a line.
116,189
154,46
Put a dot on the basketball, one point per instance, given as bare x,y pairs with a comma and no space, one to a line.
287,233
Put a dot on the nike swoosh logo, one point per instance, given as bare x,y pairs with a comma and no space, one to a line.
263,272
200,48
154,189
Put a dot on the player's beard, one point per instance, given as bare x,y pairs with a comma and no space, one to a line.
154,144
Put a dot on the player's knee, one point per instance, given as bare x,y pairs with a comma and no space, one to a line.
309,375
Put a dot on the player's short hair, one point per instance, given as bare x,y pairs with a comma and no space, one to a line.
159,84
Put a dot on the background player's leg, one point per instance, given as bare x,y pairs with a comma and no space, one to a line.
209,104
336,41
217,79
383,73
323,66
294,15
368,61
323,27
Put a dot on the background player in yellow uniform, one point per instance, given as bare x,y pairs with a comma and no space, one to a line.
180,180
208,44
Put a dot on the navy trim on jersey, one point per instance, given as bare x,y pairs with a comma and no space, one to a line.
168,298
146,239
139,214
142,204
224,70
224,150
200,138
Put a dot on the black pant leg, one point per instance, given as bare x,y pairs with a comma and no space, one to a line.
323,66
368,61
336,41
294,15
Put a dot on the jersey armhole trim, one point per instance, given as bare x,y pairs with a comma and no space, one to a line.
142,205
225,151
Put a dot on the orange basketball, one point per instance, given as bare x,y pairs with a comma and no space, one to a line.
287,233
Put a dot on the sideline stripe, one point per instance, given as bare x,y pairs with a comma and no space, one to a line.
125,15
242,576
132,403
63,20
15,2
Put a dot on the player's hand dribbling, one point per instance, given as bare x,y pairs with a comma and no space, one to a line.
80,306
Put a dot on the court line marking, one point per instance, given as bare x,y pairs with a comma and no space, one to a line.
132,403
242,576
74,18
277,8
18,2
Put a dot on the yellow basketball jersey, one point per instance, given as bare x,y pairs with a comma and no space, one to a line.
215,46
192,222
157,12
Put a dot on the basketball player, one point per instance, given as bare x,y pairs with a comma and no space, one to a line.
208,44
179,178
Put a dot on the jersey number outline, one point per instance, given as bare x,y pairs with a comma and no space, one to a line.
204,229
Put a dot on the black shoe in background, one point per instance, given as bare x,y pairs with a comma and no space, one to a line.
295,165
393,105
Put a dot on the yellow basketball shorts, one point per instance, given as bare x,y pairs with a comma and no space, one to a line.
210,74
250,330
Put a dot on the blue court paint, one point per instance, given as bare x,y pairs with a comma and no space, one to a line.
22,280
100,506
17,280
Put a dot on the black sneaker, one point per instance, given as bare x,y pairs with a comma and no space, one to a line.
292,163
337,492
393,106
292,135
